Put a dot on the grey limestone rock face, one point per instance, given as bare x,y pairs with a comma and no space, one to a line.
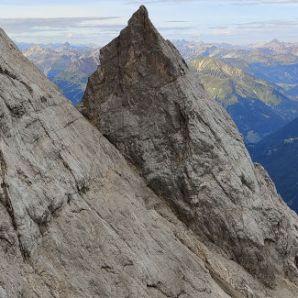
76,220
145,101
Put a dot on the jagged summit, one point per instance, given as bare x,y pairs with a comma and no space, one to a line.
140,16
147,103
138,58
141,52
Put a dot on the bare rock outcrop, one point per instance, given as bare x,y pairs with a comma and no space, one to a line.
75,219
145,101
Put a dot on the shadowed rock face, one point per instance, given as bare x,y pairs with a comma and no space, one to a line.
145,101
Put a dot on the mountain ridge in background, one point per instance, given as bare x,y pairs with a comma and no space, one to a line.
257,107
275,61
68,66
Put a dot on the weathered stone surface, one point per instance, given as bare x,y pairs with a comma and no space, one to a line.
145,101
75,219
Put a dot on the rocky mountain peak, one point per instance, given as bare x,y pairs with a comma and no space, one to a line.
141,16
192,217
146,102
141,53
75,219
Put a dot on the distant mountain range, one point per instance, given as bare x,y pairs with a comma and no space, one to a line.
68,66
275,61
270,52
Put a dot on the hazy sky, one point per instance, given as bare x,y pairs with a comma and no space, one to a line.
98,21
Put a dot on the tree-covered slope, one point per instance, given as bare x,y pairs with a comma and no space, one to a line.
278,153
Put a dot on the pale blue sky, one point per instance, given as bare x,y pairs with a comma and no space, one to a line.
98,21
